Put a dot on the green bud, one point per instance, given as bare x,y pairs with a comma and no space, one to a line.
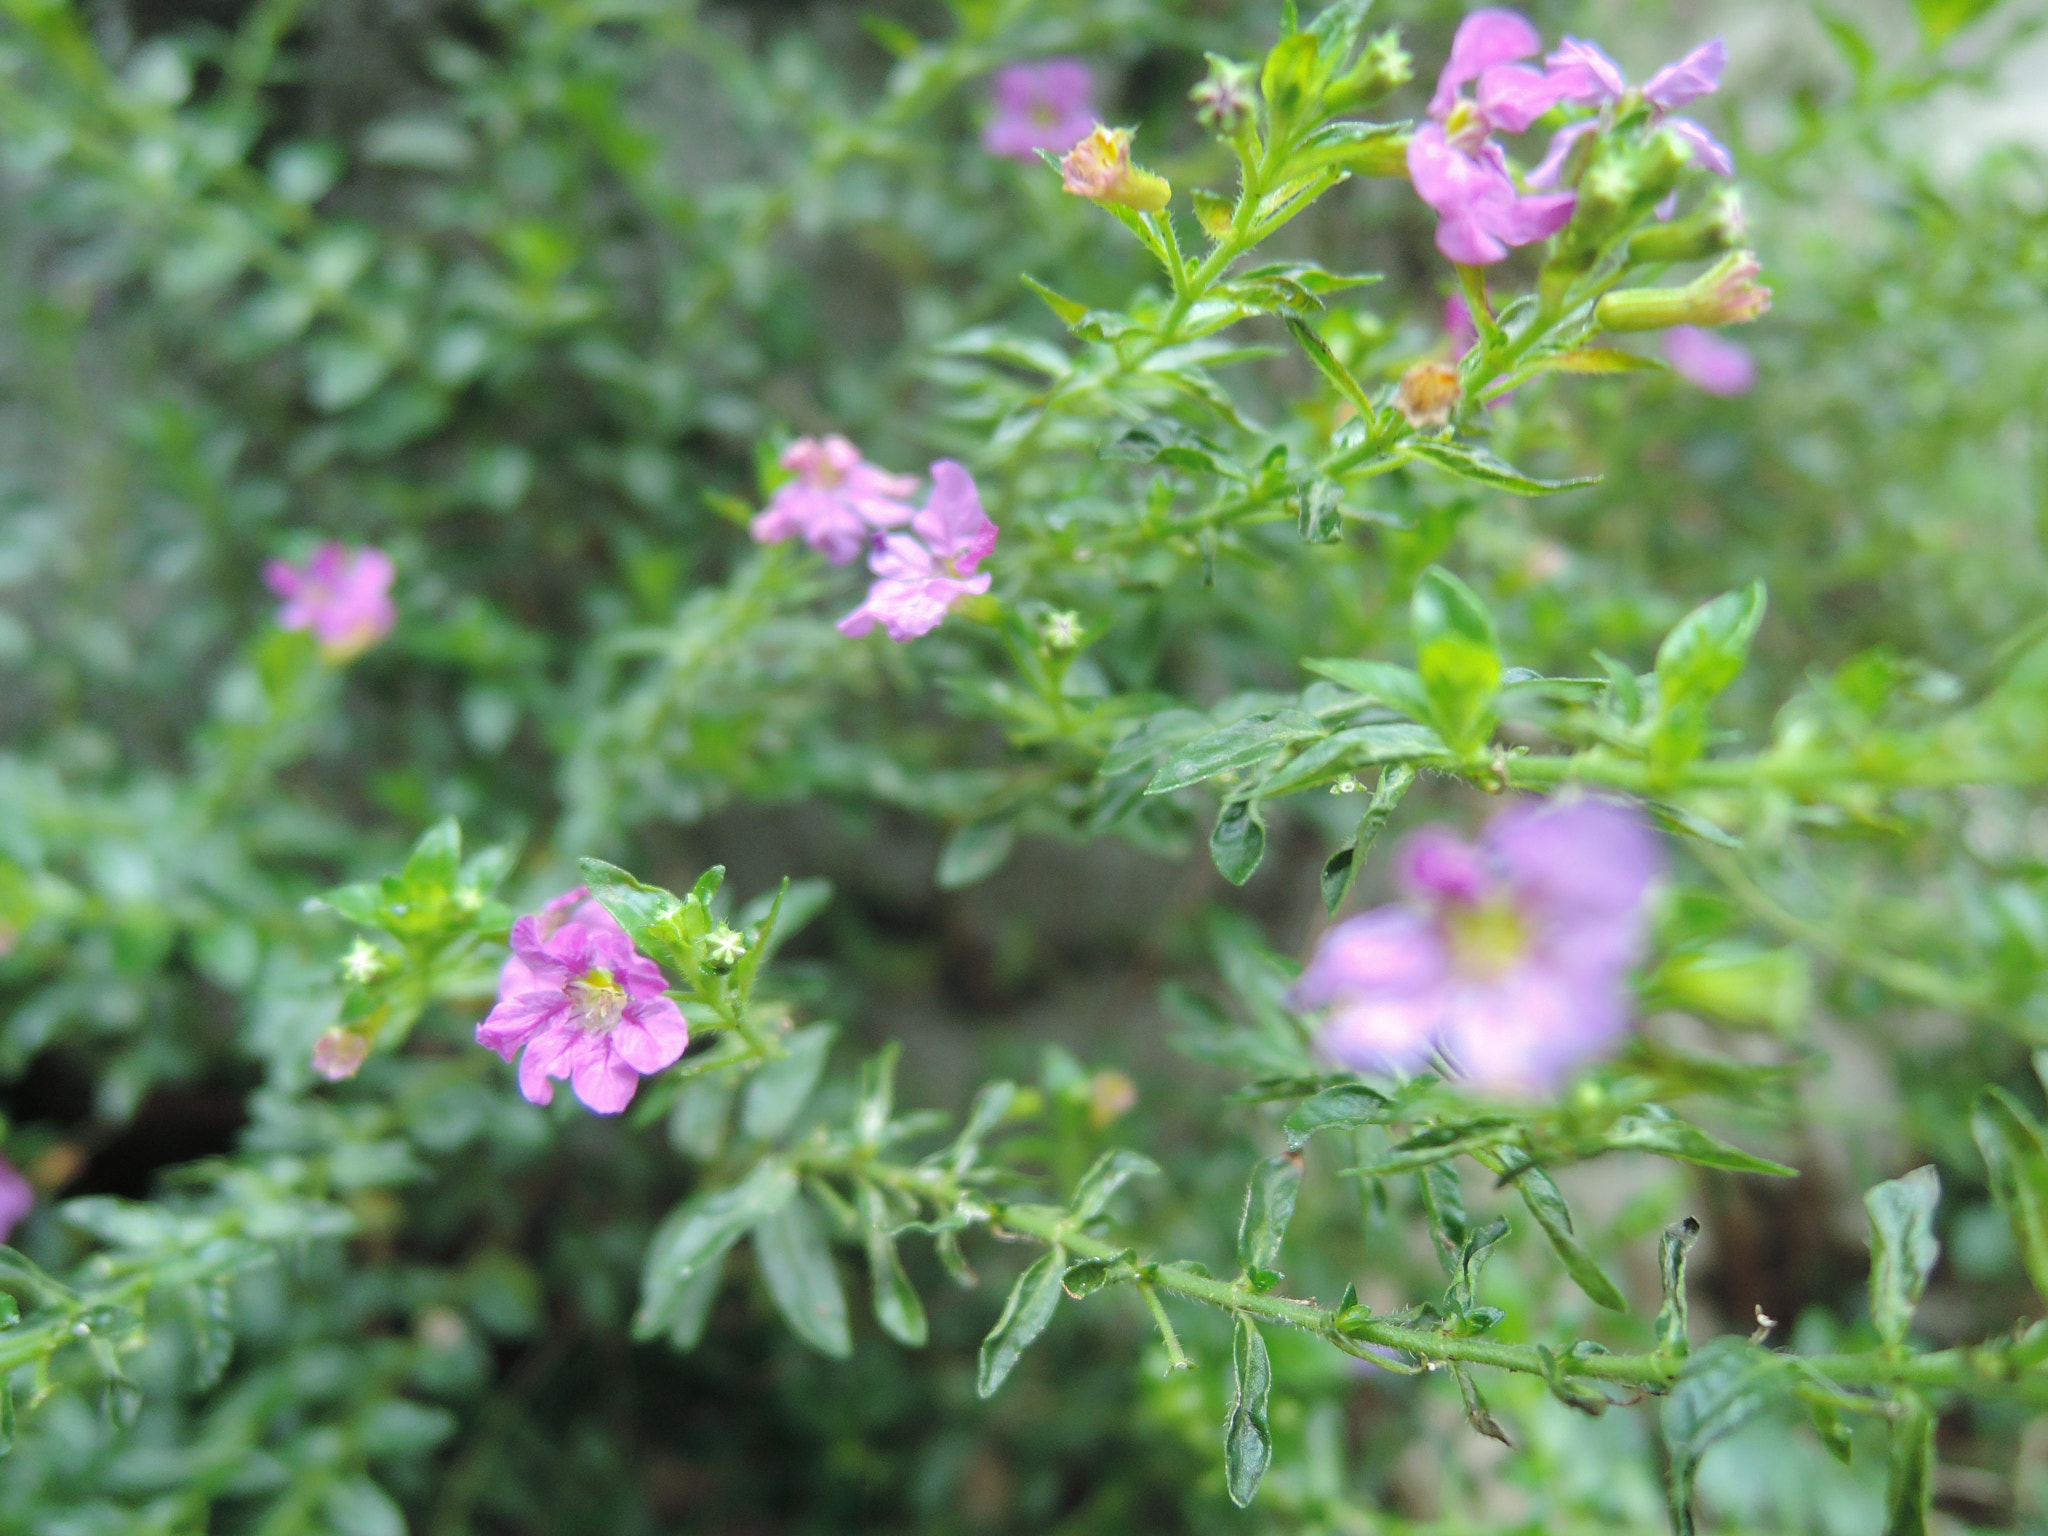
1382,68
1717,225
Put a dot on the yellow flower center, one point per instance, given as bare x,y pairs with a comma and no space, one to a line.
599,1001
1487,940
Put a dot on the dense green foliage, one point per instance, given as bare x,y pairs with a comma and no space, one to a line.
531,295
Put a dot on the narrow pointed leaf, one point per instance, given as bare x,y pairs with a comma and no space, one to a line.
1030,1306
796,1266
1247,1435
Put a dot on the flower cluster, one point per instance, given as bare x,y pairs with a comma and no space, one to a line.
835,501
342,595
584,1004
921,574
1509,958
1048,106
1461,172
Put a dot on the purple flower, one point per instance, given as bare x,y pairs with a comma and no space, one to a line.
339,1054
920,578
1509,957
1714,363
343,595
1049,105
1457,168
584,1004
17,1198
1588,77
835,502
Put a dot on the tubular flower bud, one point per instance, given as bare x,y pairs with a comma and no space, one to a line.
1384,66
1099,168
1428,393
1725,294
1715,226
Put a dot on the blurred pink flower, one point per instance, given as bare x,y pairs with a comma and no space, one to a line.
1453,162
339,1054
1588,77
1049,105
921,577
17,1198
585,1005
835,502
1508,957
1714,363
342,595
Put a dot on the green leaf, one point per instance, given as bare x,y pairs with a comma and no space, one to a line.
1942,19
355,1506
1029,1308
796,1265
1673,1247
698,1118
1342,1108
1067,309
689,1307
1319,515
1268,1206
1482,467
1238,745
897,1307
436,857
990,1105
1397,687
1341,869
1903,1249
1085,1278
1443,1199
973,853
6,1416
636,905
1351,750
1475,1406
1546,1203
1472,1256
1247,1436
1722,1388
698,1233
875,1099
1238,841
1457,657
2017,1161
213,1339
1706,649
779,1091
1328,365
1688,1143
1909,1469
1109,1173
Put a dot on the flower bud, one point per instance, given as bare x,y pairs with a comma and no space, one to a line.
339,1054
1099,168
1715,226
1726,294
1225,97
1428,393
1383,67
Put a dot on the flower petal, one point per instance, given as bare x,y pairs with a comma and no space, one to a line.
952,522
604,1082
1716,364
1484,38
1697,74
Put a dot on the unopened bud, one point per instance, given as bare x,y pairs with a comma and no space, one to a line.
1111,1096
1428,393
1099,168
1725,294
1225,97
1384,67
365,962
1717,225
339,1054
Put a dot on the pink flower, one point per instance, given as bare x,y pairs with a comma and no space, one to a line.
836,502
17,1198
1509,957
1453,162
343,595
1588,77
1714,363
920,578
584,1004
339,1054
1049,105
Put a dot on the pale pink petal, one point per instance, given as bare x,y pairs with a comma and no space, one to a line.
1562,142
1584,73
652,1035
952,523
1716,364
1484,39
1697,74
1706,149
604,1082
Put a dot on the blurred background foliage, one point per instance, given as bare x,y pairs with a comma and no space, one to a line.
527,292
